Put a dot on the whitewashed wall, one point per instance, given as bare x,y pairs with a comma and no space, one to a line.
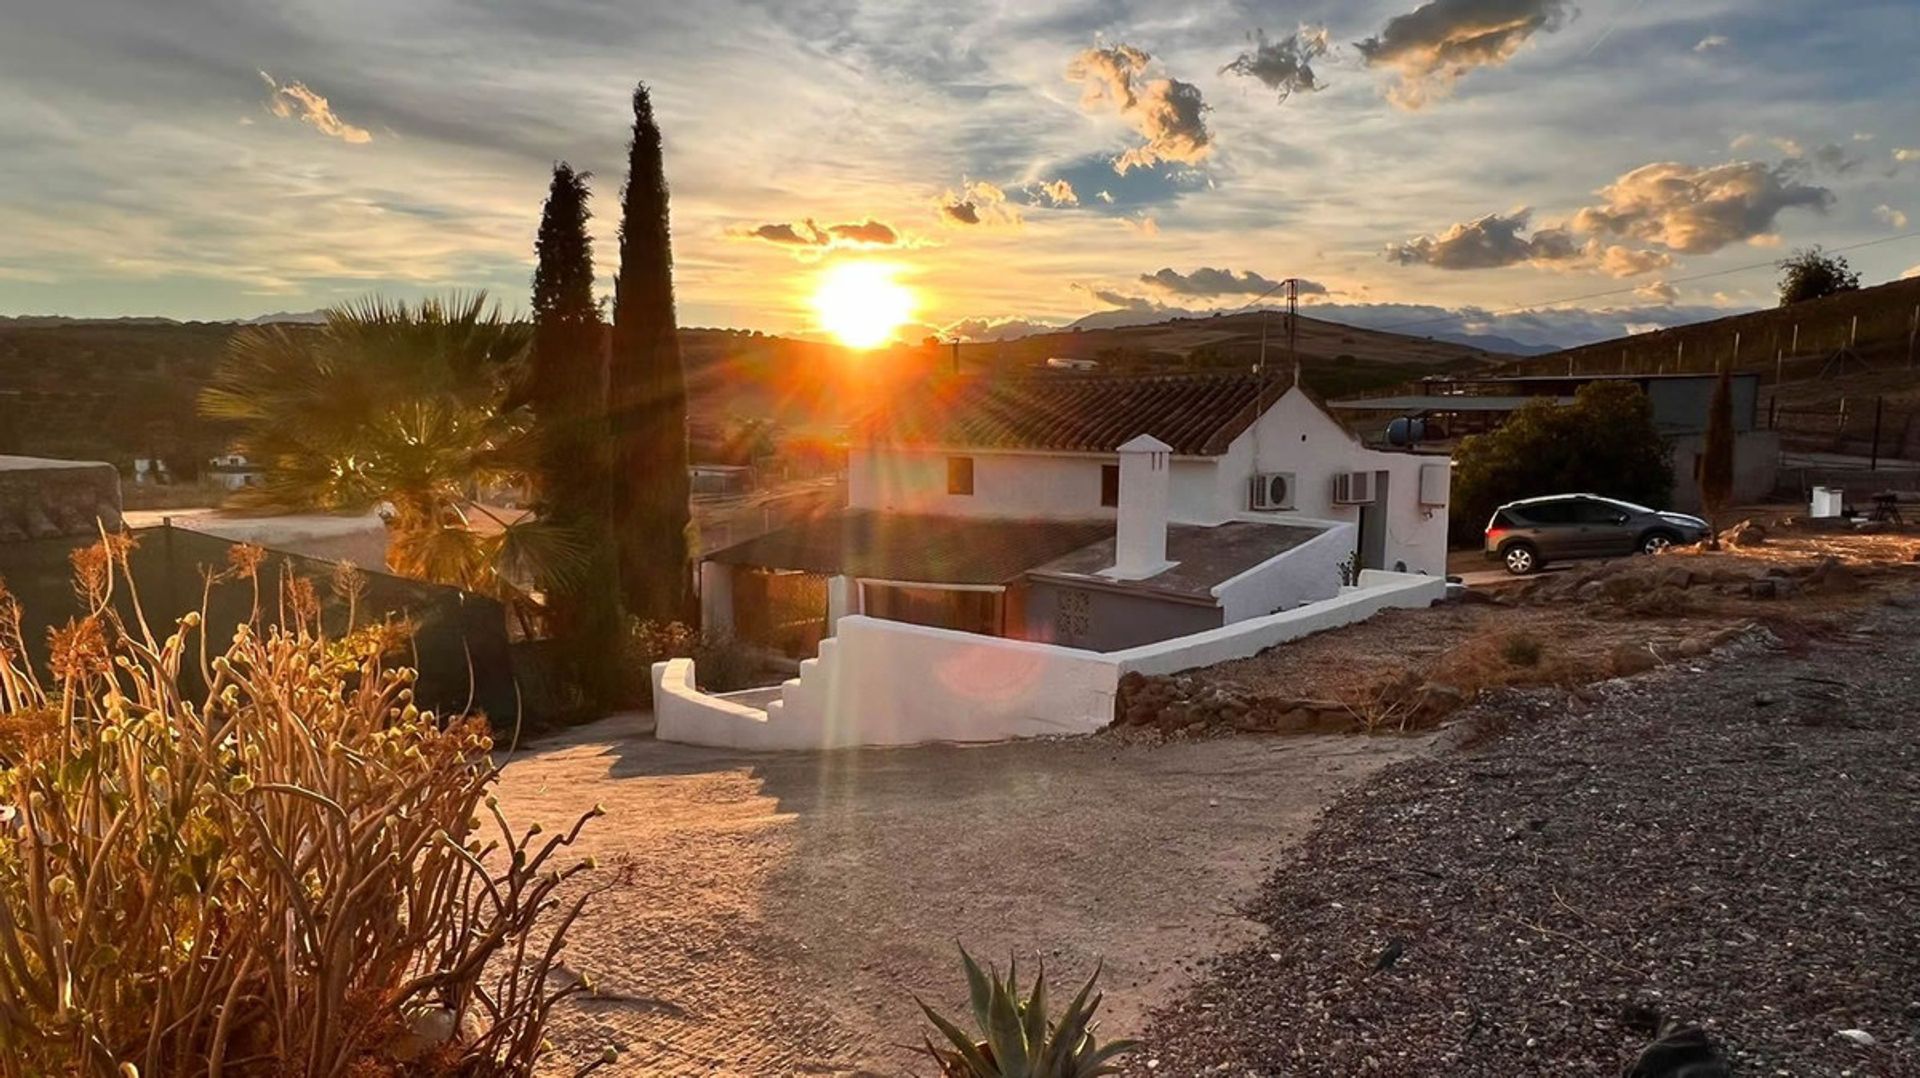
888,683
1304,574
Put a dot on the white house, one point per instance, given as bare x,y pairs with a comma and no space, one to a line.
1098,512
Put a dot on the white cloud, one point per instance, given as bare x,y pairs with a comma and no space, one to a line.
1710,43
1210,282
1904,154
295,100
1059,193
1894,219
1168,112
1436,44
1698,210
1657,292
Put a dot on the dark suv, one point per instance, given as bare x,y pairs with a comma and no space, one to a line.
1529,533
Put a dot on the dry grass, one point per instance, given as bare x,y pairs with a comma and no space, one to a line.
285,873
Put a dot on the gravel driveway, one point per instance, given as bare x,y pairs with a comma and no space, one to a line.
772,914
1731,844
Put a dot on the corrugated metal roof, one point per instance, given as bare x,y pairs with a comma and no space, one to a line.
1196,414
915,547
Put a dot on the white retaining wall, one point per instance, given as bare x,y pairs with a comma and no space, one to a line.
1307,573
889,683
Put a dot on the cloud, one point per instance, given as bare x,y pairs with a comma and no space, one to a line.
1904,154
1285,65
1168,112
976,203
1435,44
1122,300
295,100
1912,273
1895,219
1699,210
1657,292
1710,43
996,329
1207,281
868,233
1059,193
1488,243
1617,261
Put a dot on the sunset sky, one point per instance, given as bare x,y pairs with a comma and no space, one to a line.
1016,160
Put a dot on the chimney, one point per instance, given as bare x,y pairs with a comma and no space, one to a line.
1140,546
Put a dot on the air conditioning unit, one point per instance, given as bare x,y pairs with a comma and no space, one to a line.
1353,488
1271,491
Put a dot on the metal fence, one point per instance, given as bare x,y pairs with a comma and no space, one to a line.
460,646
1856,428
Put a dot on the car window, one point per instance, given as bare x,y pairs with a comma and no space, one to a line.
1547,513
1599,513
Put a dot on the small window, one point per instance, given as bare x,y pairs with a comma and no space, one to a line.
959,475
1109,485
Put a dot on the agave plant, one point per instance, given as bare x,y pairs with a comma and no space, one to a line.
1018,1039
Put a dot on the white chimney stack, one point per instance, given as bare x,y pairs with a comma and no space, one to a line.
1140,542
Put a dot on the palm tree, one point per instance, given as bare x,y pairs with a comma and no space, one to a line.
401,407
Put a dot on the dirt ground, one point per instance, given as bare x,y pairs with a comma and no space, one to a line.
773,914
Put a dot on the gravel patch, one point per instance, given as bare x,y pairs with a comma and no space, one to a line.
1729,844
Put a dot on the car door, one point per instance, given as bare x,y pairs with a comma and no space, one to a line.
1552,529
1603,530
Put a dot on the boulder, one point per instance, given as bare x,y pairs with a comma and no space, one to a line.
1763,589
1832,576
1676,576
1588,592
1630,659
1747,533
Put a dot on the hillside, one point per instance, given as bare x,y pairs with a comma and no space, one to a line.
1856,352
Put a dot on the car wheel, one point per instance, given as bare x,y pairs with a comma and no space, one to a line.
1655,542
1520,559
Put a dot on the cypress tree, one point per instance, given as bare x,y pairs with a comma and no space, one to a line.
1716,455
648,394
568,394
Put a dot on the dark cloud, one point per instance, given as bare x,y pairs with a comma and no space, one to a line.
964,211
1435,44
978,203
1169,113
1488,243
1699,210
1207,281
1284,66
868,233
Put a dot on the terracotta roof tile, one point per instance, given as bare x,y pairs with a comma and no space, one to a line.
1196,414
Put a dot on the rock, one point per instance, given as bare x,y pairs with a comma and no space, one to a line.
1436,701
1765,699
1832,577
1588,592
1677,576
1476,597
1858,1036
1694,646
1681,1053
1763,589
1630,659
1745,534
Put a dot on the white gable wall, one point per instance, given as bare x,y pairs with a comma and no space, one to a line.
1294,435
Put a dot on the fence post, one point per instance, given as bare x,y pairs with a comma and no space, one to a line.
1873,462
1913,330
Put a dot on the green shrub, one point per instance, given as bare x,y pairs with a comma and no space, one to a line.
1520,650
1017,1036
721,662
258,859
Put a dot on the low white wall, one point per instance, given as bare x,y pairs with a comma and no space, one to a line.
881,682
1307,573
1376,591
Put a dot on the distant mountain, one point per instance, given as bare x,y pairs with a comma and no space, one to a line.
303,318
43,321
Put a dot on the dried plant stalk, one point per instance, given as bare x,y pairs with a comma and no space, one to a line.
284,873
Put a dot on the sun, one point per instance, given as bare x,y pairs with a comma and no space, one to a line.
861,303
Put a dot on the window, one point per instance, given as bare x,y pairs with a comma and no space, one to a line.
959,475
1591,512
1109,485
1547,513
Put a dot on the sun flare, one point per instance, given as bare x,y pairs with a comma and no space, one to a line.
861,303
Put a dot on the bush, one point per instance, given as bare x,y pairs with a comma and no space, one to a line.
721,663
1018,1036
283,871
1520,650
1604,443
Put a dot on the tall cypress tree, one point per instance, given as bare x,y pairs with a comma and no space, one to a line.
568,393
648,394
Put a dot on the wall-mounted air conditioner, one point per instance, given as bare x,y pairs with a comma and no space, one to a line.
1271,491
1353,488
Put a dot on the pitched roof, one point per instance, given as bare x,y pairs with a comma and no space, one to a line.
1196,414
914,546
